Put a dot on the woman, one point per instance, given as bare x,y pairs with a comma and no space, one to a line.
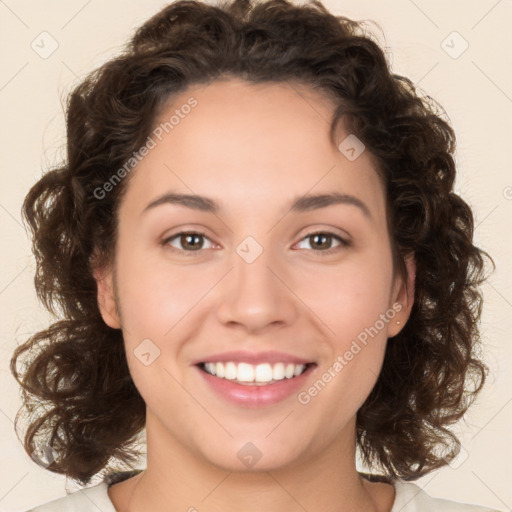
259,258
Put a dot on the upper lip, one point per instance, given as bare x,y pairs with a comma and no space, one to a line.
241,356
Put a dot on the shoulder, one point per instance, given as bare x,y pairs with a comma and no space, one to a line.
410,497
90,499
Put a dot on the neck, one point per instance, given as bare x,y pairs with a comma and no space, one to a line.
178,479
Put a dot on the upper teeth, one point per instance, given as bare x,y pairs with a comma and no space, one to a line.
245,372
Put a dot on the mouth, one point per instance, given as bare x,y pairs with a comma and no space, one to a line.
255,386
254,379
247,374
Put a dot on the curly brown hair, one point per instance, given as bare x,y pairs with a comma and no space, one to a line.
75,380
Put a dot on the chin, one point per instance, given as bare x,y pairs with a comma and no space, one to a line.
248,457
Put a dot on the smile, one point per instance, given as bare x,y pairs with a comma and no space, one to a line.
249,374
250,392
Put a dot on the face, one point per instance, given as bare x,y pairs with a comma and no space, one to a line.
257,276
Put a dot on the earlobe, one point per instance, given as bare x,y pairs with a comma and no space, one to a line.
107,303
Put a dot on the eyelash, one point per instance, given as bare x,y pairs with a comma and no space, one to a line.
343,243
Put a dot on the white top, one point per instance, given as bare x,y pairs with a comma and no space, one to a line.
409,497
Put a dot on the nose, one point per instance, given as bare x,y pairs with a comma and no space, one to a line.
259,294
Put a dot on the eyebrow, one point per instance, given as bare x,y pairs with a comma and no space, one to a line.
300,204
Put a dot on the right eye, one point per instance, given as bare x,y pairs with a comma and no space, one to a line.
189,240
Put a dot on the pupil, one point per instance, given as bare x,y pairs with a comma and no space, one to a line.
316,237
188,237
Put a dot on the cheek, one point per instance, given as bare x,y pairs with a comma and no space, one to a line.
355,309
351,297
154,294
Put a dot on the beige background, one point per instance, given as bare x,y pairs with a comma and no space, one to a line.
475,89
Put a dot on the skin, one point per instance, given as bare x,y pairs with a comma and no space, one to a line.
253,148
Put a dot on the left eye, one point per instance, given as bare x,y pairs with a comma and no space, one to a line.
319,240
191,241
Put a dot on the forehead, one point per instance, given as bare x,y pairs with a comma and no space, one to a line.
243,142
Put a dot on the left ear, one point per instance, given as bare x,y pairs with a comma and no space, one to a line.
403,297
106,298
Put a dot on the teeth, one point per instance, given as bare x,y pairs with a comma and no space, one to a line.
218,369
257,374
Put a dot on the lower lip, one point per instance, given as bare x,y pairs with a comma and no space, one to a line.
254,395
